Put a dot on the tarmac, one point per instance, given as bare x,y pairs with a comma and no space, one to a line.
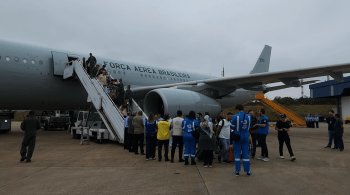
61,166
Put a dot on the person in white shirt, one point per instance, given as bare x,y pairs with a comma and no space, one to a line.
177,132
223,132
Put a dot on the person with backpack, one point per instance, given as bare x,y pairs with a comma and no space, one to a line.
241,124
151,136
189,125
223,132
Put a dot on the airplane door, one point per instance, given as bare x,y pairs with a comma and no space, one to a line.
59,61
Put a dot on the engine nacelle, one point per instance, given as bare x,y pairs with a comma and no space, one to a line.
169,101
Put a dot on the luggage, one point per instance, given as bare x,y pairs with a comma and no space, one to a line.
231,155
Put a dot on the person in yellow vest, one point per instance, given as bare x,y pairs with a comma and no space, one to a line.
163,136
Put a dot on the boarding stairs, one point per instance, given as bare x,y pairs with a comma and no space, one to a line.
276,107
109,112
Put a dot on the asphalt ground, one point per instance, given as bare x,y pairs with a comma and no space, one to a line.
61,166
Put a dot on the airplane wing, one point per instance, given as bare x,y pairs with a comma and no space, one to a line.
289,77
256,81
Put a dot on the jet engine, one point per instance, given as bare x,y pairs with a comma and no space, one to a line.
169,101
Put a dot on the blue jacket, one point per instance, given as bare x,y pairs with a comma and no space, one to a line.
126,122
151,128
264,130
187,125
242,128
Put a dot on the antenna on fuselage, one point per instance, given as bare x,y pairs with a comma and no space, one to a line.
223,70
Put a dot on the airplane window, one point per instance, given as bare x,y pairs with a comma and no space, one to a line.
154,77
177,79
16,59
157,77
141,75
149,76
41,62
24,60
33,61
114,71
119,72
7,58
161,78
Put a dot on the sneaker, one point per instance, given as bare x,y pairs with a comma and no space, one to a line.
260,157
219,159
281,157
147,159
154,158
205,166
181,160
224,161
249,174
327,147
28,161
166,160
335,149
23,158
236,173
341,150
210,166
265,159
292,158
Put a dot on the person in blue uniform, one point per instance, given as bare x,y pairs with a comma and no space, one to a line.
189,125
240,125
263,131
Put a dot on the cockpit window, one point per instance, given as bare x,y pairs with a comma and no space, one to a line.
33,61
24,60
8,58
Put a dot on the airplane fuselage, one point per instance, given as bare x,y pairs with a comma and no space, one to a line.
28,80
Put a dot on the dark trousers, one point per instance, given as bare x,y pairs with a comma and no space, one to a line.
126,136
330,138
254,139
166,148
316,124
262,143
338,140
28,141
281,140
138,138
177,140
151,142
131,142
208,157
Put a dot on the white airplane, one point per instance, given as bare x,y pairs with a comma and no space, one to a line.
32,79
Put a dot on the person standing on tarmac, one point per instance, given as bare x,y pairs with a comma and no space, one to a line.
253,131
223,132
241,125
126,137
189,125
263,131
338,133
316,121
91,62
29,125
330,120
177,136
139,131
283,127
151,136
131,131
163,136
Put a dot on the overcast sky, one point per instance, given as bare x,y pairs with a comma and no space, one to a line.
197,36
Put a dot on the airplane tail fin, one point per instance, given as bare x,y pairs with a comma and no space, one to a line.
263,63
